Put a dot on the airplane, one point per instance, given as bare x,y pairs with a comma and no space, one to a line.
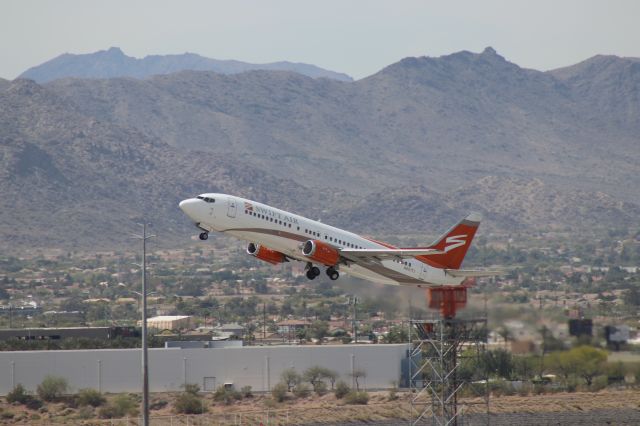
276,236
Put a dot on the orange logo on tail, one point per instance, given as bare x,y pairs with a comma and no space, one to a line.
454,242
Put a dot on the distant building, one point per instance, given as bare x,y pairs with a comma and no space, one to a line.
170,322
522,347
291,326
233,331
581,327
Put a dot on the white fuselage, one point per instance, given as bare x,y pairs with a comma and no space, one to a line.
286,232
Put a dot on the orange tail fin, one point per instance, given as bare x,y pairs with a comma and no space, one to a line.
454,243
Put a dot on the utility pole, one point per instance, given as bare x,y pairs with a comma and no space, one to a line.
145,360
264,322
355,319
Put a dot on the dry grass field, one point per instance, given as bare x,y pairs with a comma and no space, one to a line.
585,408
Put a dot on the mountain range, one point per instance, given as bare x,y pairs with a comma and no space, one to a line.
113,62
407,150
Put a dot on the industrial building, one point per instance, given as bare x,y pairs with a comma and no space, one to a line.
118,370
169,322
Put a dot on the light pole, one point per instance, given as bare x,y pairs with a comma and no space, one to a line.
145,360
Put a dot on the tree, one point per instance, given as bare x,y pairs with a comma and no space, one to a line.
499,362
358,374
562,364
318,329
291,378
589,361
313,375
331,376
397,334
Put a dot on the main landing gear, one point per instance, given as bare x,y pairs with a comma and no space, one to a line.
332,273
204,235
313,272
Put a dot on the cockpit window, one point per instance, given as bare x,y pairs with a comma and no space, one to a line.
206,199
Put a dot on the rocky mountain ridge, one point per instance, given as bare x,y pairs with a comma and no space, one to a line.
410,149
114,63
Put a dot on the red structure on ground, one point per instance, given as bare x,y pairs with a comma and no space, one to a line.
449,299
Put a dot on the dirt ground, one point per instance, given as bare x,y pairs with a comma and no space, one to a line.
583,408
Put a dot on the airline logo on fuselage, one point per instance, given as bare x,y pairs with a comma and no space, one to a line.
270,213
454,242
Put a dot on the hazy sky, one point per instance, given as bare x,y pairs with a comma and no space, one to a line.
352,36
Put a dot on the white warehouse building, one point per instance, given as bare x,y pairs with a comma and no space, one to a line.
118,370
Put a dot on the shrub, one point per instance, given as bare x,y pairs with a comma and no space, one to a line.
341,390
188,403
85,413
158,404
393,394
320,388
122,405
52,388
246,392
279,392
90,397
357,398
226,395
19,394
191,388
302,390
33,403
7,415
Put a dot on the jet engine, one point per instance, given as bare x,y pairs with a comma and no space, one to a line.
266,254
321,252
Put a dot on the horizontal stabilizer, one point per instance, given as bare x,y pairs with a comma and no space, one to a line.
467,273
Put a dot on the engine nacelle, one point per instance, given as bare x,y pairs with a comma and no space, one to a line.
321,252
266,254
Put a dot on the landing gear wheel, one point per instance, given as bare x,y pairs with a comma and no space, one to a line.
204,236
310,274
333,274
315,271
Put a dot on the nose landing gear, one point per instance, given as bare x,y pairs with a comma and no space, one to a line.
204,236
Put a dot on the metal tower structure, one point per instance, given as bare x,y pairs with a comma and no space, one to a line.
443,365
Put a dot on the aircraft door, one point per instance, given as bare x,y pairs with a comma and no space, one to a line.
424,272
231,209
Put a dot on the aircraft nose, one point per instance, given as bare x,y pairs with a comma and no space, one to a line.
188,206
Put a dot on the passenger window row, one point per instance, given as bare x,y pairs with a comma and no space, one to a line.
268,219
306,231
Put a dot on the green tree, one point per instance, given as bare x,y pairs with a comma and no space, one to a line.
590,362
397,334
318,329
290,378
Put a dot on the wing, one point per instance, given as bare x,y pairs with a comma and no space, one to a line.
376,255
